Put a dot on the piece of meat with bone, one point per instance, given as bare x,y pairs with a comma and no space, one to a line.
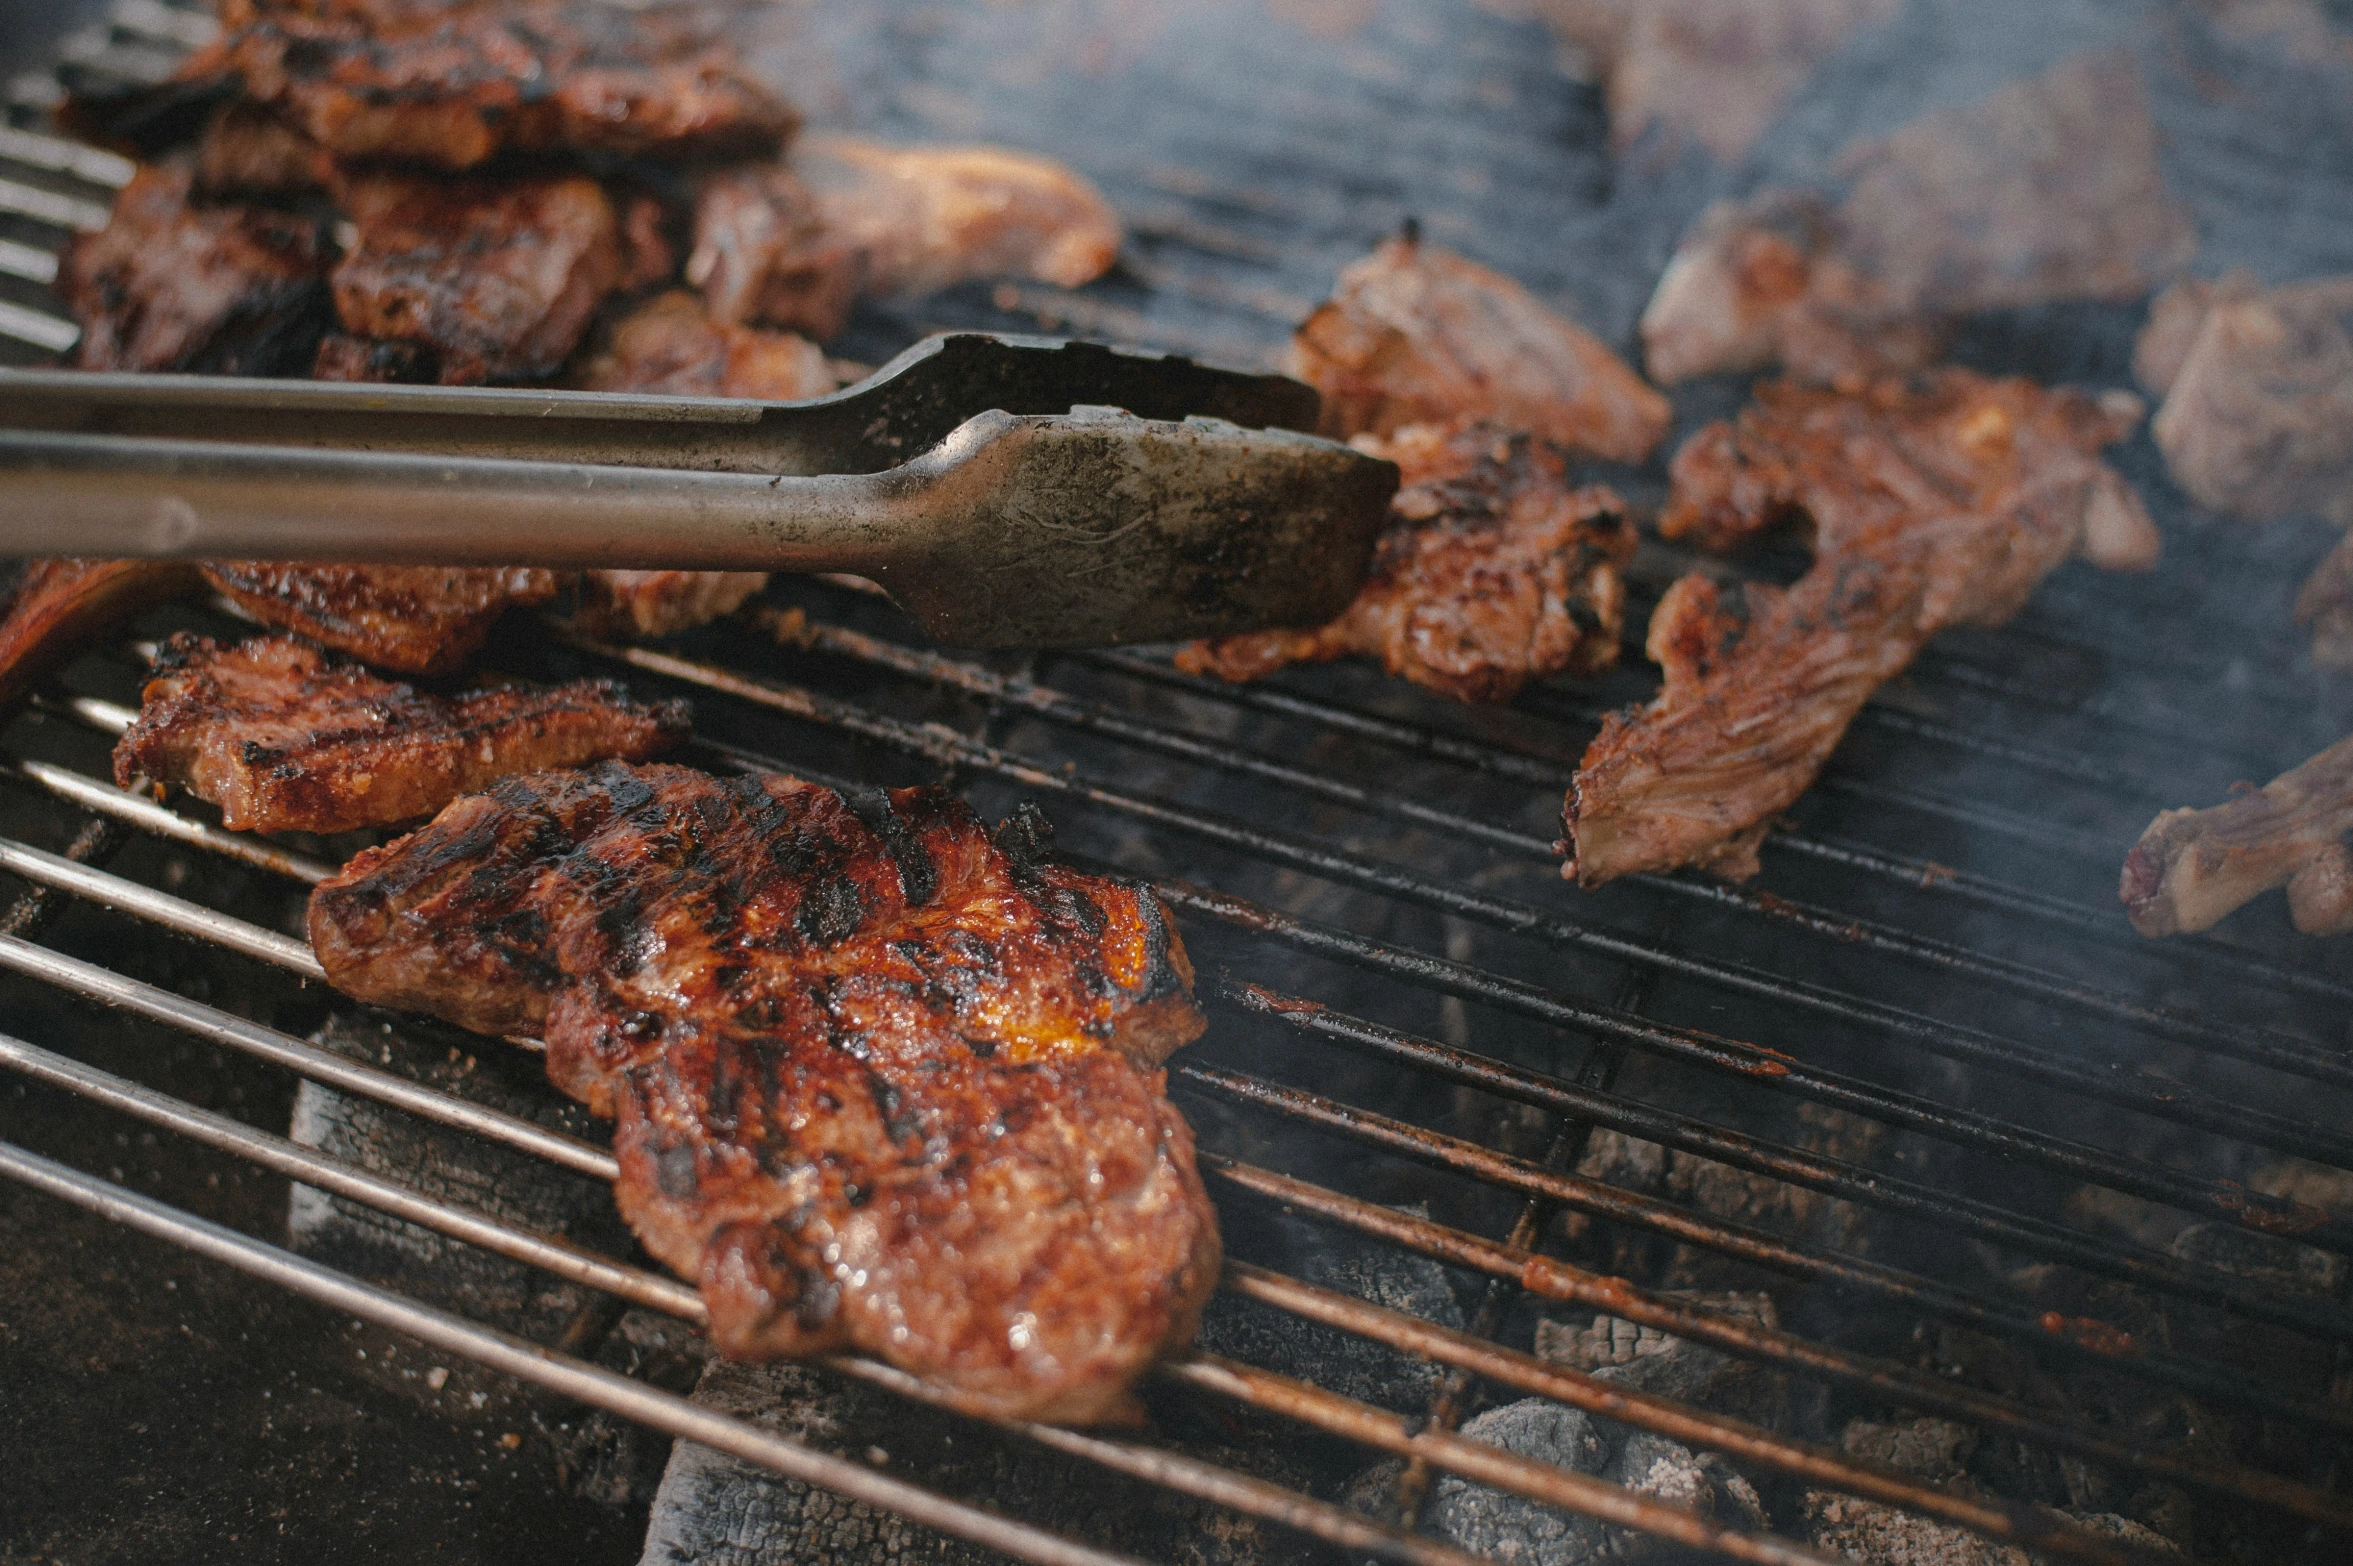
2192,867
1711,72
454,84
671,344
285,738
413,619
2049,189
170,284
496,280
1414,334
883,1083
797,244
1932,501
1493,572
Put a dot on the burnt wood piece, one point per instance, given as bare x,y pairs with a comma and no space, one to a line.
284,738
2193,867
171,284
1494,571
1932,501
1414,334
883,1082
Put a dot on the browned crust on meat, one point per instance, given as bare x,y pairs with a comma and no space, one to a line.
284,738
882,1084
57,608
1414,334
414,619
2193,867
1493,572
171,285
797,246
497,279
1936,501
452,85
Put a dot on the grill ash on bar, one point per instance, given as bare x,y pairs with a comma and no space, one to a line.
1917,1207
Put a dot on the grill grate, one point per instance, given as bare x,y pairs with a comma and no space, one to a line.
1371,874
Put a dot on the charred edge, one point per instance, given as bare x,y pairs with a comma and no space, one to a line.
919,877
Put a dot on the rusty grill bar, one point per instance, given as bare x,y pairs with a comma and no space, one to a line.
1071,730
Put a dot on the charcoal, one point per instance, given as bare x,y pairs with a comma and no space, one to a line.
1648,1360
464,1171
1934,1449
715,1510
1346,1264
1883,1536
1514,1529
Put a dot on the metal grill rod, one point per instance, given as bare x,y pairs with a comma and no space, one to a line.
1395,1329
2140,1090
1550,1278
559,1373
2283,1052
655,1291
2136,1177
2096,1340
1779,1161
1857,1369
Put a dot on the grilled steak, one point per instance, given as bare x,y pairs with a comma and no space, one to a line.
452,84
2325,602
671,344
1493,572
797,245
1714,72
284,738
1415,335
1932,502
497,280
2048,189
416,619
2191,867
881,1082
171,285
250,152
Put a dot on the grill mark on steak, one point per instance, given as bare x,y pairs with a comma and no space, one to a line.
1492,572
283,738
1934,501
937,1134
452,85
413,619
169,284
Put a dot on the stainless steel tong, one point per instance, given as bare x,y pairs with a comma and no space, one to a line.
1006,491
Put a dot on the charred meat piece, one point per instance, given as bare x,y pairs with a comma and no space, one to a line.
2049,189
428,81
2258,414
56,608
1932,502
1416,335
797,245
882,1083
1711,72
671,344
415,619
286,739
2192,867
173,285
1493,572
496,280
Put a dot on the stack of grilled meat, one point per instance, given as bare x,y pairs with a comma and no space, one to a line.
884,1080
